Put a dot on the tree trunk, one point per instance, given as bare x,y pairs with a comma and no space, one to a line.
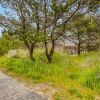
49,58
31,54
30,50
79,49
88,42
79,44
49,55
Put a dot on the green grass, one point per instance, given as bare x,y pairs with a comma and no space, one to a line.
76,77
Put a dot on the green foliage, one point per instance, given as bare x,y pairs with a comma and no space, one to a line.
77,77
86,31
8,42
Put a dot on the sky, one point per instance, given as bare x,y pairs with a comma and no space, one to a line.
0,32
2,10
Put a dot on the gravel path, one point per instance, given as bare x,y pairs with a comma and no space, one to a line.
10,89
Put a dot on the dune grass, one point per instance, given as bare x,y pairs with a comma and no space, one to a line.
76,77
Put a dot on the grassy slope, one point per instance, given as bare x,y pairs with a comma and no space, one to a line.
77,78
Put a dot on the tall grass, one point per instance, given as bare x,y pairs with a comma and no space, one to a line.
91,78
76,77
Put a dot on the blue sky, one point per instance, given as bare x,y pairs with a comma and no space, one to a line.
2,10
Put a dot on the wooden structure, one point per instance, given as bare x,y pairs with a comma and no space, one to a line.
67,45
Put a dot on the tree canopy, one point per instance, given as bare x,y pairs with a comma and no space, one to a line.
46,21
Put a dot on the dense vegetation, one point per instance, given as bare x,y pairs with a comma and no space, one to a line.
27,46
76,77
7,42
48,21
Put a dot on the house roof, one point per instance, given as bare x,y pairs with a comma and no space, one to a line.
67,42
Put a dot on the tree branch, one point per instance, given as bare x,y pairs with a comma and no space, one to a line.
71,15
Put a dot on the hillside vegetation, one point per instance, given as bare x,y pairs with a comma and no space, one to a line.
75,77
